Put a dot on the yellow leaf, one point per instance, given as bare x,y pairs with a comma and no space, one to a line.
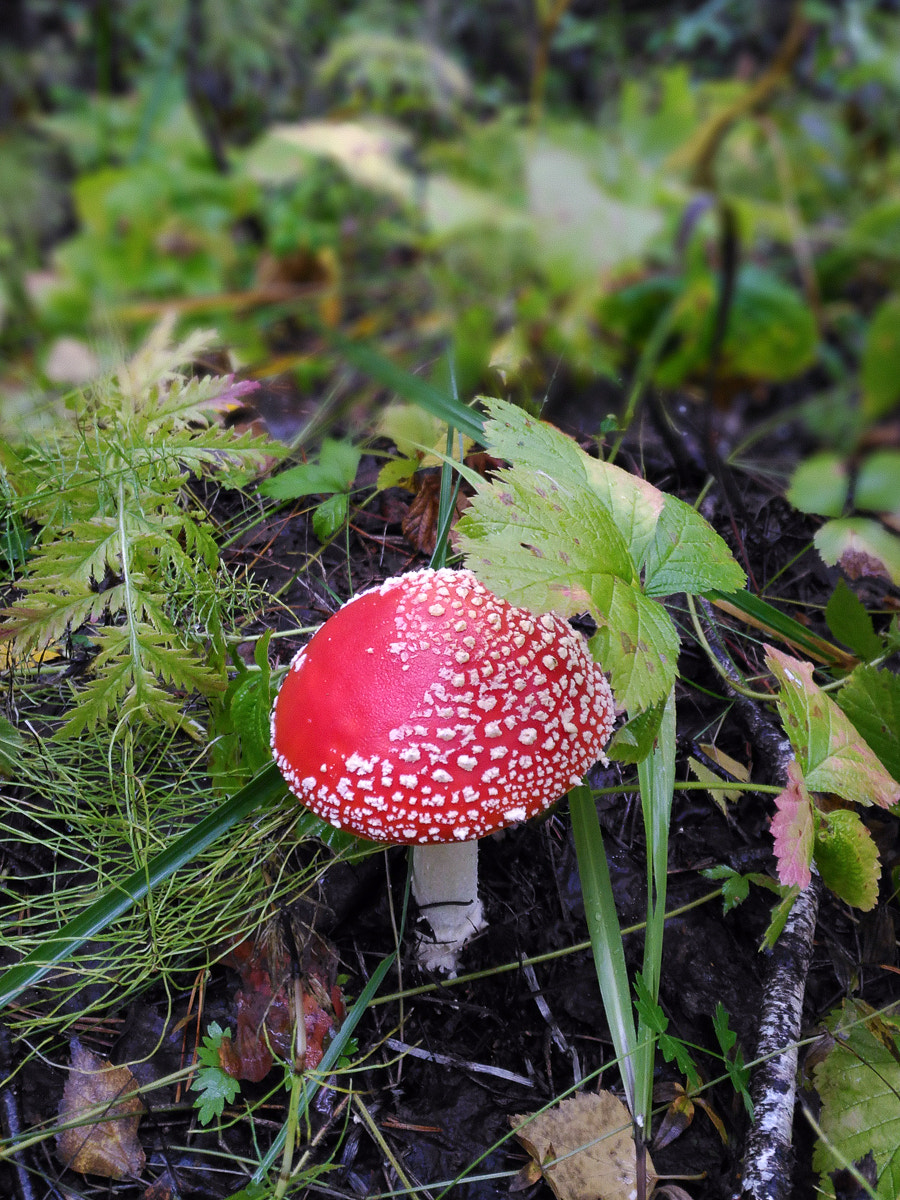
584,1148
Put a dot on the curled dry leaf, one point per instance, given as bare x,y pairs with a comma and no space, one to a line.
101,1095
584,1147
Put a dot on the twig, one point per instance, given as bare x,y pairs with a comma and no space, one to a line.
768,1156
11,1118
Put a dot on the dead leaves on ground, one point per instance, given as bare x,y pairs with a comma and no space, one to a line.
103,1097
583,1148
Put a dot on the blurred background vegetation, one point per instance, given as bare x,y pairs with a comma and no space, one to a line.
687,195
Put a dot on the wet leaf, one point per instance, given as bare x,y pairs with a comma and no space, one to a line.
107,1144
793,828
584,1147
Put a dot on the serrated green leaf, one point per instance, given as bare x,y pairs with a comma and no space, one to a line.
832,754
216,1087
636,642
541,543
847,858
633,741
859,1086
330,516
849,620
687,555
11,747
871,699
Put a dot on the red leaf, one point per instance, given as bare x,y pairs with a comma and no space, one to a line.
793,828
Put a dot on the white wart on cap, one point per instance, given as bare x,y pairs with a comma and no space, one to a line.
430,710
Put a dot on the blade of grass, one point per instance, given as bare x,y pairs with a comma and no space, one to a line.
410,387
267,787
605,934
762,615
656,776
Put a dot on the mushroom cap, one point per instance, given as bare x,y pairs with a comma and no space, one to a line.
430,710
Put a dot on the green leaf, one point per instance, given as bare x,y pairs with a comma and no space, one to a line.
849,620
687,555
654,1020
878,483
820,484
847,858
738,1073
330,517
11,746
881,353
636,642
633,741
832,754
216,1086
541,543
859,1087
860,547
871,699
334,471
772,332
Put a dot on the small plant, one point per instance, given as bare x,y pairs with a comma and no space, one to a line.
124,548
216,1087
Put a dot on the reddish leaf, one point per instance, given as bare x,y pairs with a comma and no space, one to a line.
793,828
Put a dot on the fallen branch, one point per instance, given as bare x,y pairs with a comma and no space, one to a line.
768,1155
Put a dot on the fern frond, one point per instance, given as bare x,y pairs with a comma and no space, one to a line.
110,492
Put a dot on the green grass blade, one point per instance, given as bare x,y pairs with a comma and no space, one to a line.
410,387
762,615
605,933
264,789
656,776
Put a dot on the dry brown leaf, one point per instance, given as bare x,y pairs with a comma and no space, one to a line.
94,1091
584,1148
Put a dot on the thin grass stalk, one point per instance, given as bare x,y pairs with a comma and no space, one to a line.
656,777
606,935
267,787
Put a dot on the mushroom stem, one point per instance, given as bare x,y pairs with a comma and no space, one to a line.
445,887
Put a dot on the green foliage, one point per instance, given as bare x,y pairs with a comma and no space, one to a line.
333,474
673,1049
859,1085
871,699
733,1056
847,858
124,548
560,530
216,1087
396,75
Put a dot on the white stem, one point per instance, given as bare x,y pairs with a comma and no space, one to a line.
445,887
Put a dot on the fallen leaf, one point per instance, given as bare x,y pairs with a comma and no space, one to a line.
107,1144
584,1147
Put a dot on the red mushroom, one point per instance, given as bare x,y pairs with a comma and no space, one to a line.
428,711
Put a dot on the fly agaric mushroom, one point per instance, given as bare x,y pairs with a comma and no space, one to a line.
430,712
